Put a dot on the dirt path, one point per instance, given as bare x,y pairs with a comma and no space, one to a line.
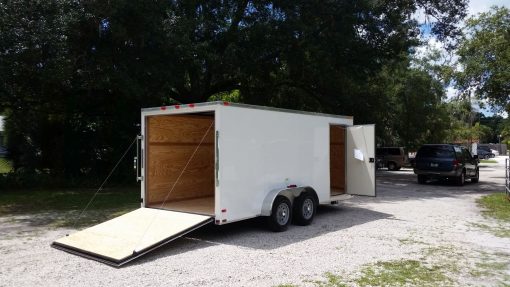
434,231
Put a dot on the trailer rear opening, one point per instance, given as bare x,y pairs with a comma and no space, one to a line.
180,162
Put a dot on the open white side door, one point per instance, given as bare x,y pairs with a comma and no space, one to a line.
360,160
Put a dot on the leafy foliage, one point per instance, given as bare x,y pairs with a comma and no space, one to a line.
76,73
485,57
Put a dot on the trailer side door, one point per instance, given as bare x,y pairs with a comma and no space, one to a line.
360,160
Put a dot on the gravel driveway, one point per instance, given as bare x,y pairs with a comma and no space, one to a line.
437,226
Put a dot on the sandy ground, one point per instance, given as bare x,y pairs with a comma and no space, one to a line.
436,223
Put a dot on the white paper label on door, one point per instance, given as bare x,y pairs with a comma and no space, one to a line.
358,154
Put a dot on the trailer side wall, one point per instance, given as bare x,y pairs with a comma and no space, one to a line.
262,150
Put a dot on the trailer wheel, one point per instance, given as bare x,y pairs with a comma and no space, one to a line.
281,214
305,207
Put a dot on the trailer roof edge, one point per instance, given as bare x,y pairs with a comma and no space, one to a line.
247,106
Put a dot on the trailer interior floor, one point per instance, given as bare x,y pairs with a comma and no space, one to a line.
202,205
337,191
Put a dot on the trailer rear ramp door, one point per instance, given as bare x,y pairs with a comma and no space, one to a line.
129,236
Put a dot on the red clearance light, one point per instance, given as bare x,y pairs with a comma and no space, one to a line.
226,103
455,162
217,221
224,210
191,105
162,108
177,107
291,186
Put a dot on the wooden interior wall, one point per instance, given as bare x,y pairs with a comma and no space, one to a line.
337,158
171,141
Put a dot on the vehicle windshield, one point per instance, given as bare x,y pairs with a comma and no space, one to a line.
436,151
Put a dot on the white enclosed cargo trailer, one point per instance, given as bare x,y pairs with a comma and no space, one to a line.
222,162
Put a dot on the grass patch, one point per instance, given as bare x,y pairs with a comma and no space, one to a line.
488,161
498,230
495,205
61,207
332,280
402,273
411,241
5,166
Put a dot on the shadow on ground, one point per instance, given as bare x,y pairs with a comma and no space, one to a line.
403,185
253,233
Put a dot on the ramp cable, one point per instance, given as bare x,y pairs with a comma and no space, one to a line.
104,182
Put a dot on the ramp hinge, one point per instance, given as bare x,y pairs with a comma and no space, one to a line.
139,137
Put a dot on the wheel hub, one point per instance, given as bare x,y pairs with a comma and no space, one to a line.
282,214
307,208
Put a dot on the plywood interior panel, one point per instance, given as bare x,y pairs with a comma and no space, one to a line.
337,159
173,147
202,205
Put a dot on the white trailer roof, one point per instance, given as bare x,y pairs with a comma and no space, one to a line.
206,104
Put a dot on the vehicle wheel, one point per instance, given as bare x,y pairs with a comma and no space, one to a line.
398,168
392,166
486,156
304,208
422,179
461,179
281,214
477,177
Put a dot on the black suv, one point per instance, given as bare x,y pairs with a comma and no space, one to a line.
446,161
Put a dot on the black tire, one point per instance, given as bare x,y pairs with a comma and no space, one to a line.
461,179
422,179
305,207
477,177
486,156
281,214
392,166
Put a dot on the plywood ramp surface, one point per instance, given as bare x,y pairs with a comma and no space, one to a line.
136,231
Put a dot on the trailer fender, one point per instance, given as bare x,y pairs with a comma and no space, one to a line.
290,193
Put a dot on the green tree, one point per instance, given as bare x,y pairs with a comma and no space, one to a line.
75,73
484,57
412,110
